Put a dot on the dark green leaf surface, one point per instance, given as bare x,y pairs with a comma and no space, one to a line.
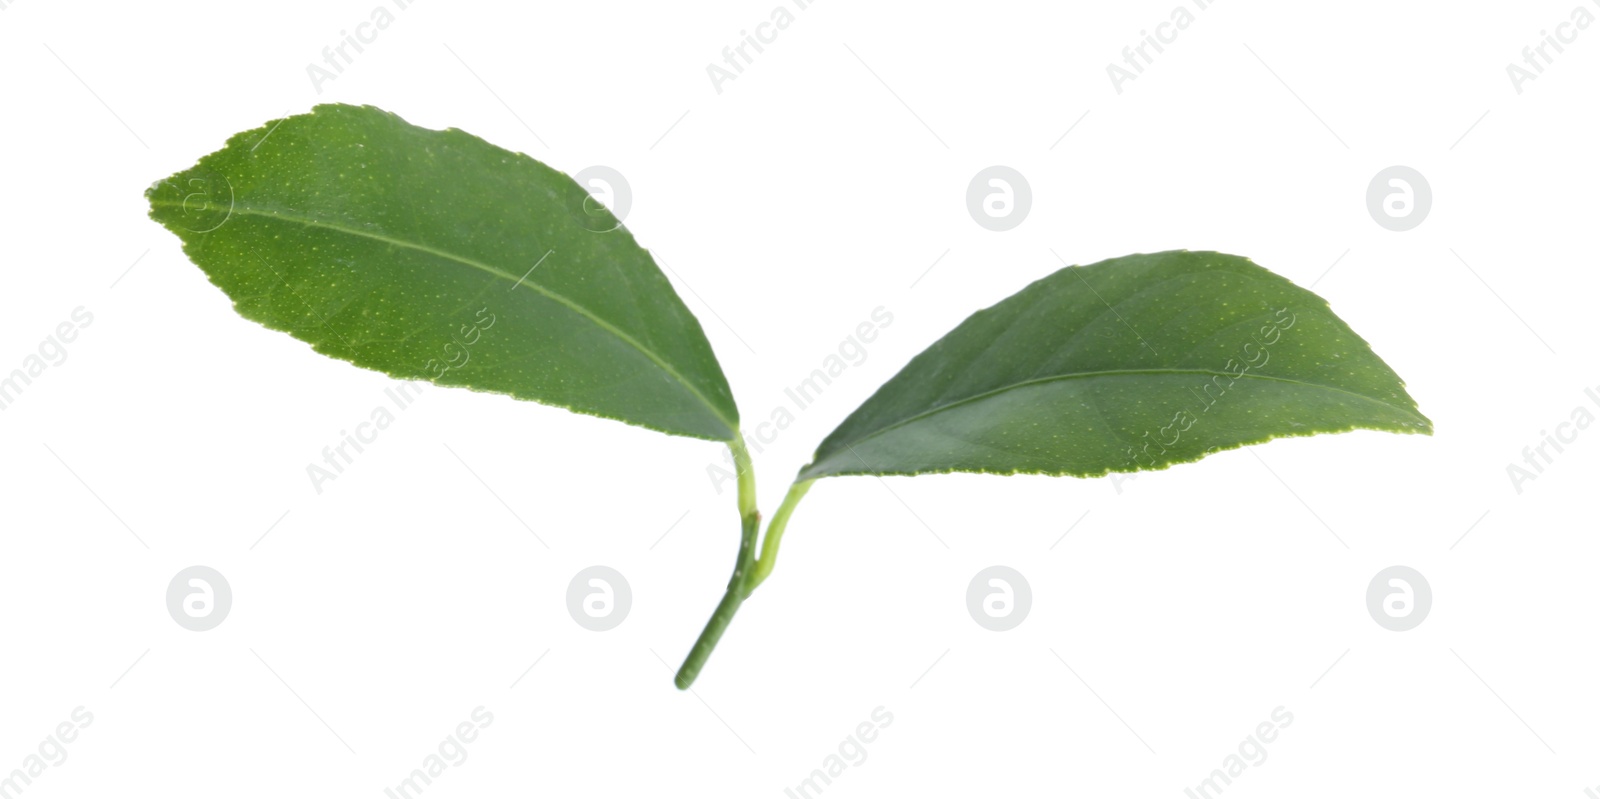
434,255
1133,363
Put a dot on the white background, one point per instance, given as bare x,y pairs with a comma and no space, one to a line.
1182,608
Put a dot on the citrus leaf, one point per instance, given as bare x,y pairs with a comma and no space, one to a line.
434,255
1134,363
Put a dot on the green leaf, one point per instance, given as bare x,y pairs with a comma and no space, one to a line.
1134,363
434,255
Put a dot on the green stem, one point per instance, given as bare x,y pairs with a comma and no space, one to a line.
731,600
748,572
774,537
750,530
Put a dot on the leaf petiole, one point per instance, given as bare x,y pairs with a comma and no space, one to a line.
774,536
747,478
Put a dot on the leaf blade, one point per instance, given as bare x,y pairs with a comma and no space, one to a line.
1133,363
385,244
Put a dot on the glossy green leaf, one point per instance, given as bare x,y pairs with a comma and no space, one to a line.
1134,363
434,255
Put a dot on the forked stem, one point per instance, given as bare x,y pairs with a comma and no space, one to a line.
748,572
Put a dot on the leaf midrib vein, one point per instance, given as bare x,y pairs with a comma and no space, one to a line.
559,298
